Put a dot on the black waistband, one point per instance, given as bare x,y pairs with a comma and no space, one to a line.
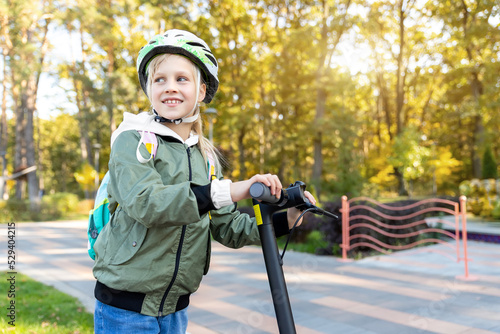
131,301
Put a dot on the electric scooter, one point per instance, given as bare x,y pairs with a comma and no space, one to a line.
265,205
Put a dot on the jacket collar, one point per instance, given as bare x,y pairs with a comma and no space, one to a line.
144,121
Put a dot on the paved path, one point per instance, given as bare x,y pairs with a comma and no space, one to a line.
407,292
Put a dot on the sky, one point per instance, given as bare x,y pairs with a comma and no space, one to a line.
52,95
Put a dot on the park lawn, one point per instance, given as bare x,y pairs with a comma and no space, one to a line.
41,309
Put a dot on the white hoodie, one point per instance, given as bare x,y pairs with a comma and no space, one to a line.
146,122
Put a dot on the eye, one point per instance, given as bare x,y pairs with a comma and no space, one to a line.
159,79
182,79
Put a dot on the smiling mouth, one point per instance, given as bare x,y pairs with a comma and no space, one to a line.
172,101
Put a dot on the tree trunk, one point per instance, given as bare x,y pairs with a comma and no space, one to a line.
241,149
110,50
476,90
317,142
385,104
82,104
32,178
399,73
478,138
20,162
402,191
400,92
3,129
478,127
326,47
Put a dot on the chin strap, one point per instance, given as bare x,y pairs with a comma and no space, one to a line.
160,119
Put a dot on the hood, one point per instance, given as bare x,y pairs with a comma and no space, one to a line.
146,122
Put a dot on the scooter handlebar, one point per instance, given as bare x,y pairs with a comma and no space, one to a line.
261,192
293,196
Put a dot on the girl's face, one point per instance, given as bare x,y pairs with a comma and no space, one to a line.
173,90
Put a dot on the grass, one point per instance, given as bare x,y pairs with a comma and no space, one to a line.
42,309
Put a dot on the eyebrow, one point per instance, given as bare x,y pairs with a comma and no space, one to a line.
177,73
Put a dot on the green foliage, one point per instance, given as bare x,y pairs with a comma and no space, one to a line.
52,207
409,156
314,242
63,203
483,196
490,168
43,309
419,111
495,213
85,177
59,153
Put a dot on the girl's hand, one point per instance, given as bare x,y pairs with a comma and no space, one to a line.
293,213
241,190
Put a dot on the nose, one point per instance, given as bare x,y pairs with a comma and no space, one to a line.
171,87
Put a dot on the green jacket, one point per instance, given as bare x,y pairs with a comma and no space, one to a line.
156,248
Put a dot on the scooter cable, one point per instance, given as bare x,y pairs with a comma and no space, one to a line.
293,229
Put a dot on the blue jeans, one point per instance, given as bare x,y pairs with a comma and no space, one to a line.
112,320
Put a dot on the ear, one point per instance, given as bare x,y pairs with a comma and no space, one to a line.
203,91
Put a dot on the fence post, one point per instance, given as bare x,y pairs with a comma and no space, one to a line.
345,227
457,229
463,212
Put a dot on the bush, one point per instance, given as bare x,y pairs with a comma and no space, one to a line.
489,165
495,213
52,207
483,196
62,203
329,228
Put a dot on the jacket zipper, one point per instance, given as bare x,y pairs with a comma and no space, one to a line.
179,248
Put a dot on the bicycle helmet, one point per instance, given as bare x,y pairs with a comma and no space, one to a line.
182,43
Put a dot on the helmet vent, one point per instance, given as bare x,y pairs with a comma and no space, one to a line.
196,44
212,59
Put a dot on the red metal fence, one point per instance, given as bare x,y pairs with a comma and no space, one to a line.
361,230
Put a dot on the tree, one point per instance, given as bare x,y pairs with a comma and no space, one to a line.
409,156
334,22
28,25
59,153
405,72
6,46
284,105
470,59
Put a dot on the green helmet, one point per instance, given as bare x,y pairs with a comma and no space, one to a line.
186,44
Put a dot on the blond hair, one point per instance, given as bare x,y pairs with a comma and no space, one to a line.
205,145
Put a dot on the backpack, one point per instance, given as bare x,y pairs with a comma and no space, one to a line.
100,215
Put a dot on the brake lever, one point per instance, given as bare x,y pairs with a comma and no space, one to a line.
316,210
293,196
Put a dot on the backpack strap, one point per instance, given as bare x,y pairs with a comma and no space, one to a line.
211,166
151,142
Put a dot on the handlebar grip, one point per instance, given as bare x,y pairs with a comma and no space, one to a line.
261,192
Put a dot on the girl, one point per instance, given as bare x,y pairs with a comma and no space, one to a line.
153,253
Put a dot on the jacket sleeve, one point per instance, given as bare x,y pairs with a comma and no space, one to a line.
232,228
235,229
139,189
